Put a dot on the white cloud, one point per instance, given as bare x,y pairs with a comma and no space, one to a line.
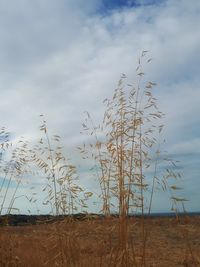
188,147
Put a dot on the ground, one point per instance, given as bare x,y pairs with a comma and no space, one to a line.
95,242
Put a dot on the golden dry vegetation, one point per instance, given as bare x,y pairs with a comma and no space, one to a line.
95,243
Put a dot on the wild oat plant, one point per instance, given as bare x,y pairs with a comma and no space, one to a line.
64,194
13,169
125,149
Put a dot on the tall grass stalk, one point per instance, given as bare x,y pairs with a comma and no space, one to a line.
123,151
13,170
64,194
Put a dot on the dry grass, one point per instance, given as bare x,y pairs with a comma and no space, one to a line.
95,243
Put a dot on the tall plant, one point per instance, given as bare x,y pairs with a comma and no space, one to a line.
122,143
123,150
64,194
13,168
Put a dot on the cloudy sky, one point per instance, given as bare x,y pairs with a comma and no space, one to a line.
60,58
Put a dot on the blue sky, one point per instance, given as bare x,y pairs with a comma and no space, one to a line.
61,58
112,5
107,6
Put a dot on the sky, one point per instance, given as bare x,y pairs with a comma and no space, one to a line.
61,58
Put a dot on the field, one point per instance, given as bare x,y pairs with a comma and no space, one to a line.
94,242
